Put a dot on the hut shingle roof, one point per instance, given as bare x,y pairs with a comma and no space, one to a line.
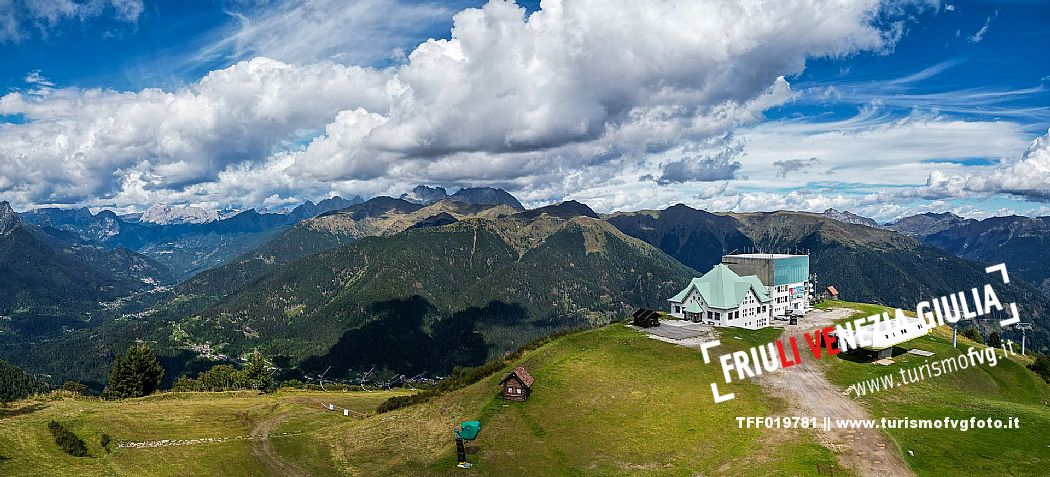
522,375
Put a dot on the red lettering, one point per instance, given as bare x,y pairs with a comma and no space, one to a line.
784,363
831,342
814,343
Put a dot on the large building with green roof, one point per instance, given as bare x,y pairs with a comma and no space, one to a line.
723,298
746,290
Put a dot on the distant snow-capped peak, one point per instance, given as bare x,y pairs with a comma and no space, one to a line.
163,215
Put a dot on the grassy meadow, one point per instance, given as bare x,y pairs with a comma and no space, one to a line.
609,401
1001,391
606,402
27,448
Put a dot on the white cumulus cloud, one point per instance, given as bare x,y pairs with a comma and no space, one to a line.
1027,176
544,104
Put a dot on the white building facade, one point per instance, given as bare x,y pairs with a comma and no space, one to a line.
746,291
723,298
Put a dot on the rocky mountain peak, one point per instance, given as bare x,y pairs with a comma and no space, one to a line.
848,217
8,218
426,195
161,214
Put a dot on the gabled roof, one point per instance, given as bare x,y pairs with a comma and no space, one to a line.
522,376
645,314
680,297
832,290
642,313
722,288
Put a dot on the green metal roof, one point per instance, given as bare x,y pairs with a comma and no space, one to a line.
681,295
723,289
693,307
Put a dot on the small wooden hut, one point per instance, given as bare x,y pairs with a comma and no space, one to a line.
517,385
646,318
832,292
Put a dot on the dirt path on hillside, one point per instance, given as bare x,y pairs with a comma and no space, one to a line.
263,449
868,452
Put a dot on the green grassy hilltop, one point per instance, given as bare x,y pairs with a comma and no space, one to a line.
1000,392
609,401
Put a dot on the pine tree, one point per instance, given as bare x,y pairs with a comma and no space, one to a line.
134,374
995,340
257,372
972,333
16,384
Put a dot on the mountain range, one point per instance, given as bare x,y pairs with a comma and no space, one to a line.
54,280
187,240
848,217
471,195
424,299
1023,243
427,284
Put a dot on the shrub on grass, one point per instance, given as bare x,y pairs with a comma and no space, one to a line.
67,440
104,441
75,388
1041,366
185,384
972,334
293,383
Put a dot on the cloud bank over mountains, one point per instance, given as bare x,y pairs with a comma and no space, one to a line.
510,98
578,99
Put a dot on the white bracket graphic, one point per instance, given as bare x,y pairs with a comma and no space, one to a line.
1015,318
1001,268
720,397
706,346
707,360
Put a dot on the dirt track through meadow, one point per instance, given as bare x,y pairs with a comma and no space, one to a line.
868,452
263,449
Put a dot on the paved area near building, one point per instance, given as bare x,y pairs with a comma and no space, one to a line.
680,332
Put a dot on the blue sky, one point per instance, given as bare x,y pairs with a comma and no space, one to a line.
887,109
